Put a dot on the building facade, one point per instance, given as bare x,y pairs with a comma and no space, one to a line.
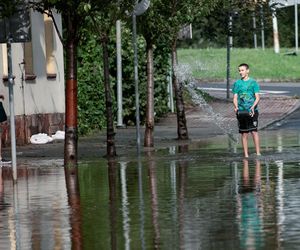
38,70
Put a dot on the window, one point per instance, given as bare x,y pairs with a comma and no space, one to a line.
50,59
4,62
28,61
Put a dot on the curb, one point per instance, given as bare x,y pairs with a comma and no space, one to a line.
285,115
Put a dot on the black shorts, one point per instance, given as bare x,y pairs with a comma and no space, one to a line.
247,123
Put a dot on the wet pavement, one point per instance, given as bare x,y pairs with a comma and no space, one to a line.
195,194
201,125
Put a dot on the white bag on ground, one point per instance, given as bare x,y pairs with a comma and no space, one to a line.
40,138
59,135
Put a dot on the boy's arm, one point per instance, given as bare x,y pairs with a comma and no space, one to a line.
235,102
257,98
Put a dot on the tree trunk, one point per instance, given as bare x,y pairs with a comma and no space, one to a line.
182,130
71,133
148,139
110,133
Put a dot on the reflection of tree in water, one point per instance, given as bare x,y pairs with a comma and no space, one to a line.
154,199
112,173
72,184
182,184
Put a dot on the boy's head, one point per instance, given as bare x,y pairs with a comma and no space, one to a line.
244,70
244,65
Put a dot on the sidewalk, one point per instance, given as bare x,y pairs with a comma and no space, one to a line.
200,125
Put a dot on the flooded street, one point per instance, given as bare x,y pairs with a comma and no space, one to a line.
198,196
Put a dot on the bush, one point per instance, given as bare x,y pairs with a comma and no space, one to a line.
91,96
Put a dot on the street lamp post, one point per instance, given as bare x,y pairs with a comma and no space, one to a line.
136,84
16,29
231,15
119,75
296,27
274,4
275,31
139,9
12,110
229,46
254,29
262,25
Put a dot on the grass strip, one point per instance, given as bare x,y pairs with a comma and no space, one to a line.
210,64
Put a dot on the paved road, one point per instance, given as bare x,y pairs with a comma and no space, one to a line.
291,122
289,89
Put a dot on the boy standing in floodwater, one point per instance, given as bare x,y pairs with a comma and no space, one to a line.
245,100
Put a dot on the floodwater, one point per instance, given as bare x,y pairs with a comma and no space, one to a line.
198,196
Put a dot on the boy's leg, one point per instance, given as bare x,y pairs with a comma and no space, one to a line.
0,145
255,137
245,144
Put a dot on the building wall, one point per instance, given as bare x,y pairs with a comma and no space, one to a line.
39,99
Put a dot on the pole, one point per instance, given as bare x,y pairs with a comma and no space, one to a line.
296,27
12,111
262,27
136,82
254,30
229,46
139,9
119,76
275,32
170,90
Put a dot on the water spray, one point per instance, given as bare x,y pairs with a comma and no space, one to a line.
183,73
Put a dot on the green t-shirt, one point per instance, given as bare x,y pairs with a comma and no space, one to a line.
246,93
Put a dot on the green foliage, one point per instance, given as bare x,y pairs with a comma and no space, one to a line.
105,13
286,26
163,20
8,7
162,67
128,77
161,70
91,99
211,30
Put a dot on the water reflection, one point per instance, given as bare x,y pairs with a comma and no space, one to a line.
280,198
72,186
183,165
232,146
125,210
112,177
279,142
250,208
171,200
154,199
141,203
34,210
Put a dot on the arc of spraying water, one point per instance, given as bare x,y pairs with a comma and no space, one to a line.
183,73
